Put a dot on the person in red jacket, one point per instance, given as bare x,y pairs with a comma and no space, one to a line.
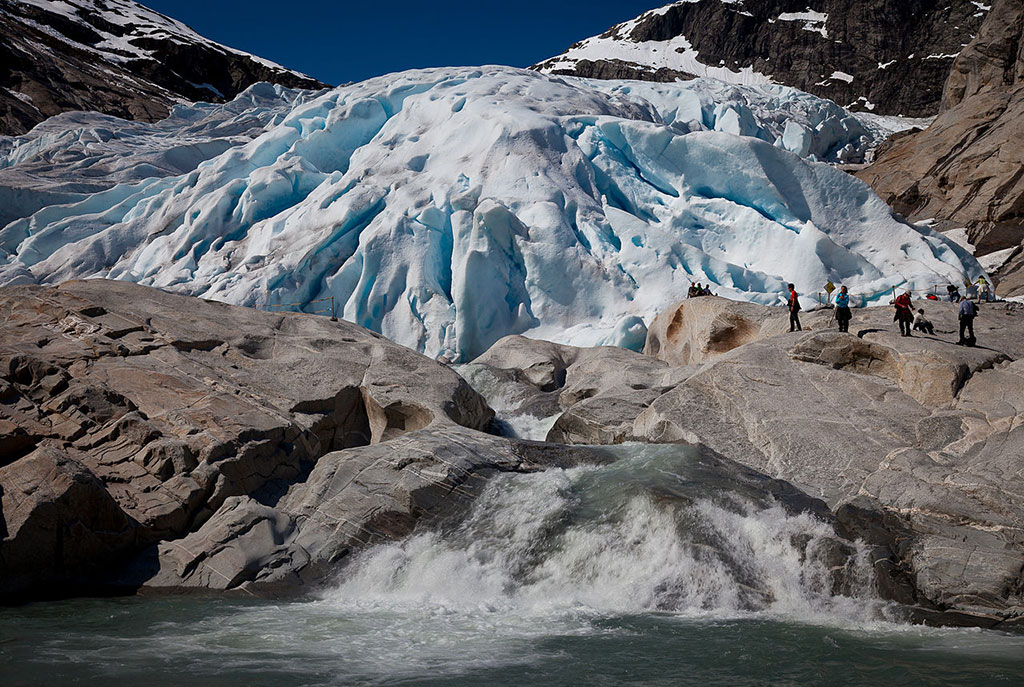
794,310
904,313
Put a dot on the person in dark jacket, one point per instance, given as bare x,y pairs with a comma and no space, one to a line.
967,312
904,313
794,310
843,315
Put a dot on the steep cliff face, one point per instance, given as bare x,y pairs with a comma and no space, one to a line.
967,168
886,56
115,57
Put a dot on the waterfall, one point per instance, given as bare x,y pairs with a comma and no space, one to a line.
658,530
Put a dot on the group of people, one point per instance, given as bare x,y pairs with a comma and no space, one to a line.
697,290
908,320
980,289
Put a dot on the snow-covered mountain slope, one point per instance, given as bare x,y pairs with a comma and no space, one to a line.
449,207
117,57
886,56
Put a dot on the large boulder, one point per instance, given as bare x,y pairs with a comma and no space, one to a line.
699,329
162,410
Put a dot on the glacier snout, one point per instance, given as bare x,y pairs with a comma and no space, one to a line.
446,208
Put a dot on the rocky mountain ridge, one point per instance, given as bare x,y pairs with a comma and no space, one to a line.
885,56
116,57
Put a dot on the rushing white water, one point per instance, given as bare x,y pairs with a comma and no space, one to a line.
511,401
667,568
654,531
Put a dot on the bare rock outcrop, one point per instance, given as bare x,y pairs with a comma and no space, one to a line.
699,329
967,168
130,416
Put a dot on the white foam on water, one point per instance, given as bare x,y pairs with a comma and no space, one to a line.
572,541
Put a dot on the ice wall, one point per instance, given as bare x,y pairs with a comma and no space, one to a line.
446,208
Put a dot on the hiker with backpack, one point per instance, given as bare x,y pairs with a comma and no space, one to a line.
967,312
904,313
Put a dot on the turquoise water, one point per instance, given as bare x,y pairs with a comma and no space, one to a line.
663,568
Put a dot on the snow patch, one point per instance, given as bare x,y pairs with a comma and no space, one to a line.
813,21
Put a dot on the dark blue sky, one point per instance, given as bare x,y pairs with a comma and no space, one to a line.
338,41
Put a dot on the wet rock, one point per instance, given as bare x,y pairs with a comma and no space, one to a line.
351,499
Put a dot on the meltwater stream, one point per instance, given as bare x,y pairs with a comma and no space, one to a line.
664,567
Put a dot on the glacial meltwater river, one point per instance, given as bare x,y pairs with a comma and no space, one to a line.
662,568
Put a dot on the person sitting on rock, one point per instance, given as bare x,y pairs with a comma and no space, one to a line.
967,312
794,310
922,323
843,315
904,313
692,291
707,291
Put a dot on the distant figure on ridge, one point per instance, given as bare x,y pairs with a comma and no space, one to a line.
843,315
794,310
922,323
904,313
707,291
692,292
967,312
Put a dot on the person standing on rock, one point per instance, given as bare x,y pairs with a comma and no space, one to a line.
967,312
843,315
794,310
984,290
904,313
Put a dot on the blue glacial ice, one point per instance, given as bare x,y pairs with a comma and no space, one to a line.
446,208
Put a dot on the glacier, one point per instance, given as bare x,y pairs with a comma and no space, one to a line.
446,208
